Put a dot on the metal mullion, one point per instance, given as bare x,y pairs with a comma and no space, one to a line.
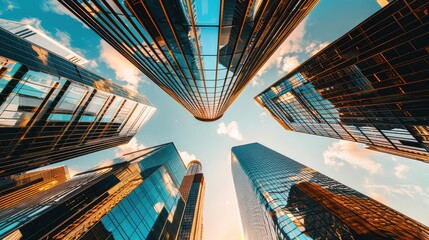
198,49
215,111
162,79
267,56
119,48
146,9
146,65
223,97
249,4
132,56
181,50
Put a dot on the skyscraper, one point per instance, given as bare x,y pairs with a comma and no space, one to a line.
279,198
192,191
52,110
18,187
369,86
136,198
40,39
202,53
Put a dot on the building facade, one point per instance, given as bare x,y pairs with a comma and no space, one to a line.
39,38
192,191
280,198
52,110
136,198
18,187
202,53
369,86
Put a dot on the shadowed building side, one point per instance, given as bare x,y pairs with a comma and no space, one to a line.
369,86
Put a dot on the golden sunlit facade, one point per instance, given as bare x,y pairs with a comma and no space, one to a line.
16,188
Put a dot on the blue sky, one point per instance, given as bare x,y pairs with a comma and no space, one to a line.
400,183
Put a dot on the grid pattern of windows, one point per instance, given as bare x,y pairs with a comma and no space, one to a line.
19,187
137,198
52,110
202,53
369,86
281,198
192,190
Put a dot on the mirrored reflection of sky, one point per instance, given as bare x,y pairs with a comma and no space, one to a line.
400,183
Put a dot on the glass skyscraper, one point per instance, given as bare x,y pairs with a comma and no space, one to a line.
192,191
52,110
137,197
279,198
369,86
201,52
18,187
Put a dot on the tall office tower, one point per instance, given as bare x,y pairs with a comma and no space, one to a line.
369,86
136,198
40,39
192,191
18,187
52,110
202,53
279,198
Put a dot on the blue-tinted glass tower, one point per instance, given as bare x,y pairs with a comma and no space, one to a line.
137,197
280,198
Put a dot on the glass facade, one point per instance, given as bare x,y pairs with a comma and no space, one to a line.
369,86
202,53
192,191
18,187
52,110
136,198
40,39
279,198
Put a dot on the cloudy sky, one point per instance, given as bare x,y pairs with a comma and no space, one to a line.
398,182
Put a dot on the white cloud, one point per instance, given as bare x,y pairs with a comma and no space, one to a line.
92,64
315,47
124,70
400,170
7,5
263,116
36,23
412,191
132,146
293,44
288,64
187,157
231,130
378,197
64,38
56,7
286,57
352,153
